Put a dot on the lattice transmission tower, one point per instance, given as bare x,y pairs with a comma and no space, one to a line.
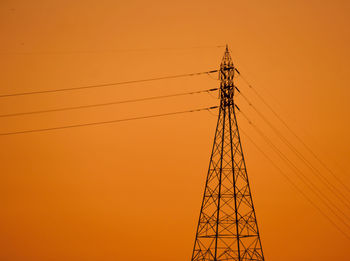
227,227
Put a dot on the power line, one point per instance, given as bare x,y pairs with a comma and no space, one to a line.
314,170
299,173
107,103
110,50
293,132
107,122
296,187
107,84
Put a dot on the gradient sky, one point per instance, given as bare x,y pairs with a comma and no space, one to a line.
132,191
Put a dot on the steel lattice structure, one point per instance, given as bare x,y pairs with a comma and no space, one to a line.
227,227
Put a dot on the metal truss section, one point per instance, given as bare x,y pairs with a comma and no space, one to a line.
227,227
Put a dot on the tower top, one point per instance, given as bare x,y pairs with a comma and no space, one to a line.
226,75
227,62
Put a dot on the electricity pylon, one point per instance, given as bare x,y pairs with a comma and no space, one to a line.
227,227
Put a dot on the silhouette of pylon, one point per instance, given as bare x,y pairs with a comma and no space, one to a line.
227,227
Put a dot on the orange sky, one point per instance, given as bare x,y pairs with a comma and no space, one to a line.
132,191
